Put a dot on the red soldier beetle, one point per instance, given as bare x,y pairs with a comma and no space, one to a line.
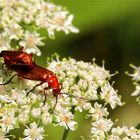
21,62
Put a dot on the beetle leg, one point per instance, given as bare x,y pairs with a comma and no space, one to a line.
21,49
45,98
9,80
56,97
2,65
34,87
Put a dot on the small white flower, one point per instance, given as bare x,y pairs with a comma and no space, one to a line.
110,95
100,74
63,22
65,118
33,132
23,116
63,101
91,93
31,41
44,22
19,96
82,104
47,8
3,136
117,131
46,118
98,112
100,126
7,122
137,90
136,74
14,31
36,112
132,132
82,84
4,42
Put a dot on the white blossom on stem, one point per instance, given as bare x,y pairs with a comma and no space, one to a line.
33,132
65,118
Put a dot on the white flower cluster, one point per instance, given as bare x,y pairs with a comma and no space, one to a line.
124,133
20,22
83,83
83,79
103,128
116,133
136,81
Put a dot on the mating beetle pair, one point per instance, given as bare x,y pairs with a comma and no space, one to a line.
21,62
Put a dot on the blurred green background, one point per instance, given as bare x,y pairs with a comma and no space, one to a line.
110,31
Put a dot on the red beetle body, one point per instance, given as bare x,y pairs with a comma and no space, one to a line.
44,75
17,60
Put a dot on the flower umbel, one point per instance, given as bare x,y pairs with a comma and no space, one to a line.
20,22
80,87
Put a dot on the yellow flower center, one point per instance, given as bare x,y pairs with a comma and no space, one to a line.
45,8
14,29
31,40
65,119
7,121
100,113
107,97
2,111
33,133
60,21
82,102
101,126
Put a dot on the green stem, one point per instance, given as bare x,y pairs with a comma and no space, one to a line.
73,110
65,134
66,131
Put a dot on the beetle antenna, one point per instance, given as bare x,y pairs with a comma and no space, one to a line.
74,96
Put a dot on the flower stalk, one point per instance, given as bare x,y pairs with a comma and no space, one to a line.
65,134
66,131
